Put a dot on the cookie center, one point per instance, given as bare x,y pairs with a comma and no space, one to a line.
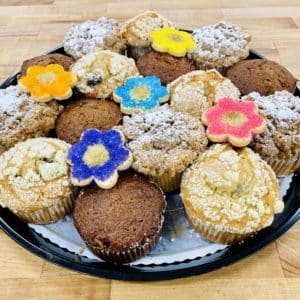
234,118
175,37
47,78
96,156
140,93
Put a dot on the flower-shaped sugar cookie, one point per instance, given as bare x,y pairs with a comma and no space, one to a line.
98,157
173,41
144,93
233,121
45,83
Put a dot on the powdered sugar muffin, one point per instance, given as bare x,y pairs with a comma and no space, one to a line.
194,92
90,35
220,46
102,71
163,143
136,31
279,144
34,180
21,117
230,194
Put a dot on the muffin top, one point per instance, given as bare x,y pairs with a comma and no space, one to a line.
21,117
120,218
163,141
281,139
164,66
86,37
232,190
84,114
44,60
137,30
221,44
262,76
34,174
101,72
194,92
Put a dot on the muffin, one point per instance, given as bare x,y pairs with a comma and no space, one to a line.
196,91
164,66
101,72
279,144
34,180
102,34
262,76
230,194
136,32
163,143
122,224
21,117
45,60
220,46
84,114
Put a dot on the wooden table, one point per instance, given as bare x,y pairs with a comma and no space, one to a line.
30,27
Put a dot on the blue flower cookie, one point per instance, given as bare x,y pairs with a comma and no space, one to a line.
97,157
137,93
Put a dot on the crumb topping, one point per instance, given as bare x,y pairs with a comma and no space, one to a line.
232,190
221,44
281,139
163,141
34,174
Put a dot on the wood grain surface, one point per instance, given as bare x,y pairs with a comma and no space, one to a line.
30,27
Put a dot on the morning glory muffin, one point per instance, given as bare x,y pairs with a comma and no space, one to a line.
121,224
163,144
34,180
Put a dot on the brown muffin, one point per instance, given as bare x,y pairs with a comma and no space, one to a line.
47,59
163,65
262,76
84,114
121,224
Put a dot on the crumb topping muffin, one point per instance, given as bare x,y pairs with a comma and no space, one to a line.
21,117
220,45
262,76
230,194
34,175
164,66
101,72
196,91
101,34
45,60
83,114
121,224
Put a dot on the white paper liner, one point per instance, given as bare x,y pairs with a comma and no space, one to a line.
178,242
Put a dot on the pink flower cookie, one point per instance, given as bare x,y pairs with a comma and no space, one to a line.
232,121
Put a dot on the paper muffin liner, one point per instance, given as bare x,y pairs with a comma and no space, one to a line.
50,214
168,183
137,52
202,66
283,167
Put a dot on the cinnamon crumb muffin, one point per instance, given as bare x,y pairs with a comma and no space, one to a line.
34,180
219,46
102,34
230,194
196,91
21,117
279,144
163,143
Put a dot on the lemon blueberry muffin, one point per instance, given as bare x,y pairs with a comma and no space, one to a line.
102,71
101,34
34,180
230,194
219,46
21,117
163,143
279,144
196,91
